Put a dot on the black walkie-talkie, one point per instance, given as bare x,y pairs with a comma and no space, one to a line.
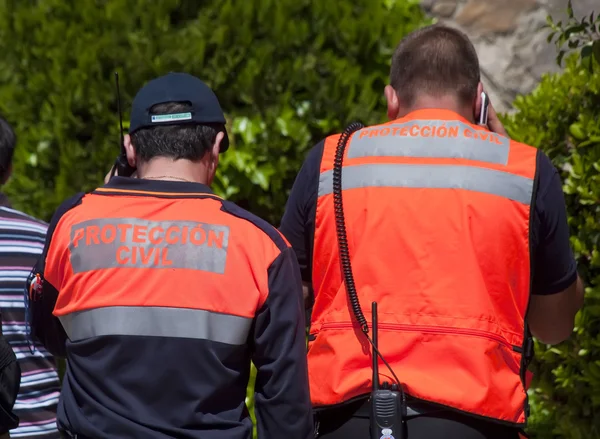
388,404
121,167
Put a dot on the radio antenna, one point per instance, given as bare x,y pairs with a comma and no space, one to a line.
375,347
122,137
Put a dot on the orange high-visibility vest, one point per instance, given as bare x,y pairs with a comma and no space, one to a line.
437,214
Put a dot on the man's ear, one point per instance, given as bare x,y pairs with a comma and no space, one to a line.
130,151
393,103
214,156
216,148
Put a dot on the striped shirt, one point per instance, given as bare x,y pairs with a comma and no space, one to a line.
21,242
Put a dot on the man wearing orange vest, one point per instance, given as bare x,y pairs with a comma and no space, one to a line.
460,236
160,293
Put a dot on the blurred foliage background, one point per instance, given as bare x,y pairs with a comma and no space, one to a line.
287,73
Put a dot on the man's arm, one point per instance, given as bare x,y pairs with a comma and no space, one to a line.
282,406
557,290
298,222
42,295
552,317
45,327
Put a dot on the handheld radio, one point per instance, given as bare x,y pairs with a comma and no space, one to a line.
388,402
121,166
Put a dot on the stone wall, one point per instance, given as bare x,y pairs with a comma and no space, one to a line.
512,50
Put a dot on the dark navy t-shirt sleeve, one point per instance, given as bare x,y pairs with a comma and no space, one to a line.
283,408
554,266
298,222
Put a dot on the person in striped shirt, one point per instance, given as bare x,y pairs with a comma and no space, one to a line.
21,242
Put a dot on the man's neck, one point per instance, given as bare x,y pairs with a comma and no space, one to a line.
440,103
162,168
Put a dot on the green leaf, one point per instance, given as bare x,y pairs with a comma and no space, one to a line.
578,28
33,160
592,140
586,51
576,131
596,50
560,57
570,9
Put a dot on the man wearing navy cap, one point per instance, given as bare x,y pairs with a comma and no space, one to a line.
173,100
159,293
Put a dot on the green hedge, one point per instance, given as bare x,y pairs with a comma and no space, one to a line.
287,72
562,117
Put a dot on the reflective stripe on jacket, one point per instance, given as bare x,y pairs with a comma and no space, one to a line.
437,214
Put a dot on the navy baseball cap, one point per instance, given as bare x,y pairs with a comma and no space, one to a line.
177,87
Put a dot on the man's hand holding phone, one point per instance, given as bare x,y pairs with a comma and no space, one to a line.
494,123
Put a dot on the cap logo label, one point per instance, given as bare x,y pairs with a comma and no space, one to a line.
171,117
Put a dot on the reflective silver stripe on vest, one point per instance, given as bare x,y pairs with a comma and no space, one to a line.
157,322
430,139
503,184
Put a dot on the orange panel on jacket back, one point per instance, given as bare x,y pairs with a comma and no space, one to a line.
189,251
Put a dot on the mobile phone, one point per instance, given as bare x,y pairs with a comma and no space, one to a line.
483,113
